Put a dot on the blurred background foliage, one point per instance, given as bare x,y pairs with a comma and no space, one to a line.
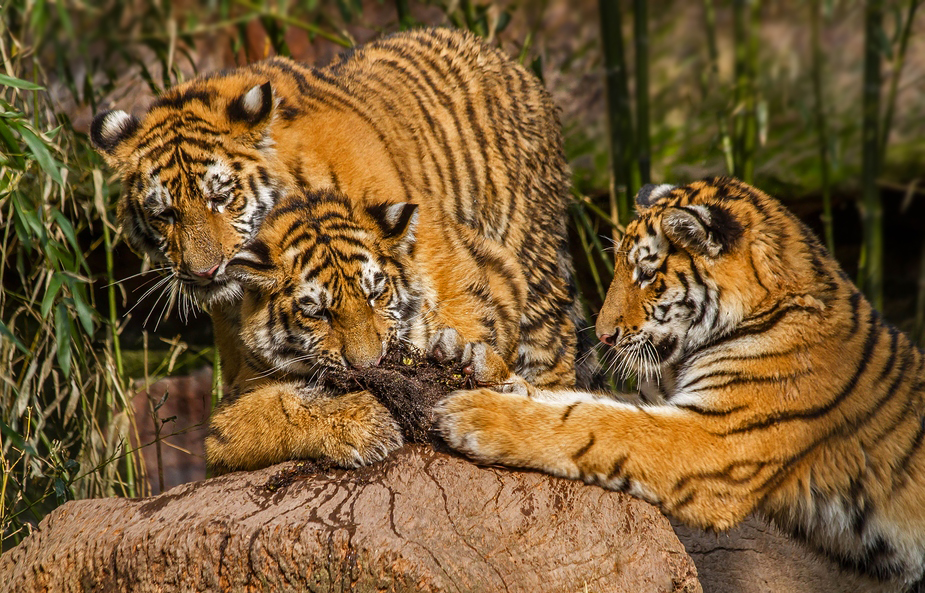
816,102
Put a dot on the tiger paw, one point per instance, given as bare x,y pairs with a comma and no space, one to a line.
481,361
280,422
479,423
355,429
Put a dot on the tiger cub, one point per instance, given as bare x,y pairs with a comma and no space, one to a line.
785,391
330,283
431,114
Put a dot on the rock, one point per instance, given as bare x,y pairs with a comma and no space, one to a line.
420,521
756,558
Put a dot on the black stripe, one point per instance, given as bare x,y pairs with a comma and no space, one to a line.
580,453
818,411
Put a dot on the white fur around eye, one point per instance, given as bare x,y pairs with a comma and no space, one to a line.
372,280
157,197
216,185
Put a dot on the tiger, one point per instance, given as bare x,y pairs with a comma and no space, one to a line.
332,283
433,117
774,387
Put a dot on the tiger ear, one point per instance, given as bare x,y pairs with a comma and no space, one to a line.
254,107
648,194
252,266
702,229
109,130
397,223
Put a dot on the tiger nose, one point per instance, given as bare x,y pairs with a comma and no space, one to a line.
610,339
208,274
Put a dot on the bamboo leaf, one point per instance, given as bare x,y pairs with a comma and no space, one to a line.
84,312
63,339
5,331
18,442
18,83
67,228
13,151
30,218
51,293
40,151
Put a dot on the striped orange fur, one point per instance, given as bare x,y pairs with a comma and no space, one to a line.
773,386
431,117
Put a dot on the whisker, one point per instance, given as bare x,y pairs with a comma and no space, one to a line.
156,301
160,282
136,275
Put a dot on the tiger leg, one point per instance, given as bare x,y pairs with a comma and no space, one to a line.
548,342
662,454
279,422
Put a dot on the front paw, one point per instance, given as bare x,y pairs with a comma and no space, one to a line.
480,361
477,423
360,430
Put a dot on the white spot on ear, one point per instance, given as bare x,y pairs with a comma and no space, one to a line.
110,128
393,216
252,100
115,124
661,190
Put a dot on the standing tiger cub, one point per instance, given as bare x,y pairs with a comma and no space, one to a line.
433,117
784,390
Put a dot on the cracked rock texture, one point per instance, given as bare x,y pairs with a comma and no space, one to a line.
420,521
756,558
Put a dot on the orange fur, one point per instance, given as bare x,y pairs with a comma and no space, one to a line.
433,117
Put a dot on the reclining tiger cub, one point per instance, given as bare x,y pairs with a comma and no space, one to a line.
427,140
784,390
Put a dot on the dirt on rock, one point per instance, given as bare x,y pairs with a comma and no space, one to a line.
408,383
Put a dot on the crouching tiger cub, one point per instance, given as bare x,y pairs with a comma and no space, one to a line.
785,392
331,283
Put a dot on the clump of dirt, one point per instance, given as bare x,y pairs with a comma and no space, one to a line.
299,469
408,383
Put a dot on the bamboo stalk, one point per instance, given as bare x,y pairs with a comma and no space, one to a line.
896,74
618,110
744,119
641,43
822,132
709,16
871,267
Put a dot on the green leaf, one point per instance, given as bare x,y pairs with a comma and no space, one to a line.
65,18
18,442
63,338
67,228
13,150
60,491
29,217
51,293
84,312
18,83
12,337
40,151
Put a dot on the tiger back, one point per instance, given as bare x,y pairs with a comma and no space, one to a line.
428,114
784,391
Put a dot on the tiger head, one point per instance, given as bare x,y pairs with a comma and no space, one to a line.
327,283
695,262
197,177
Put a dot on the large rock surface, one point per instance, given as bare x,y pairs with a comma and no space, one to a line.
420,521
756,558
